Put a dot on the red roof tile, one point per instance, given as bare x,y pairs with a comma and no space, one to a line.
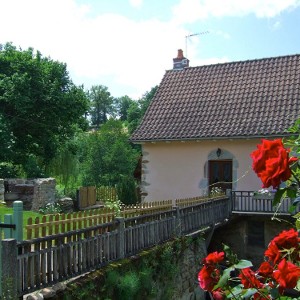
254,98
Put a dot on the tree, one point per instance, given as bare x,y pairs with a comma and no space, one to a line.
137,109
146,99
40,107
101,104
108,156
122,105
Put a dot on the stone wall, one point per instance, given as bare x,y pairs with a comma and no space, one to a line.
34,193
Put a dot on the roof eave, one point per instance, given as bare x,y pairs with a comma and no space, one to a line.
141,141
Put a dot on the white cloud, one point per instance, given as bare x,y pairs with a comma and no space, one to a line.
189,11
136,3
108,49
129,57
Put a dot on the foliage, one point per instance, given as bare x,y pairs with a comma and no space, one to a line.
137,110
121,106
51,208
149,275
227,277
8,170
126,190
114,204
216,191
107,155
65,167
40,107
101,104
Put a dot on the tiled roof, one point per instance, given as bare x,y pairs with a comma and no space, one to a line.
254,98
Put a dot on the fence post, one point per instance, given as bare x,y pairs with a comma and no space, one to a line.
9,276
120,237
8,232
18,220
178,221
229,195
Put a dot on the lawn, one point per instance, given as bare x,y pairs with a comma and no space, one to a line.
26,215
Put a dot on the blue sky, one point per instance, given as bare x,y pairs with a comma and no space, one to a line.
127,45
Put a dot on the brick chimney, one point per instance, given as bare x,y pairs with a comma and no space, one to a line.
180,62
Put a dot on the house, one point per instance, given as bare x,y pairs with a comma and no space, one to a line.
204,122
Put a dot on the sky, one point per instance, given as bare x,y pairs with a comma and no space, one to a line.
127,45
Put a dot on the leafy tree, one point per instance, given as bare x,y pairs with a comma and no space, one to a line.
137,109
146,99
107,155
122,105
40,107
101,104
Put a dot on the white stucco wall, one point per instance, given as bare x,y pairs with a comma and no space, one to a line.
173,170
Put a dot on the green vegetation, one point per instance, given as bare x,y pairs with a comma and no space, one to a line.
53,128
150,275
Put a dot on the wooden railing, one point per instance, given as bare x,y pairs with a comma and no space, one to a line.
71,248
247,202
41,262
62,223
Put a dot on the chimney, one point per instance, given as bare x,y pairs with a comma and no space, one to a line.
180,62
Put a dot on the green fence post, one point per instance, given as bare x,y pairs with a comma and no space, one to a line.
18,220
8,232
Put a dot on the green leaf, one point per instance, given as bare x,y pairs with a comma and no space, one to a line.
291,192
224,278
236,291
278,195
242,264
249,292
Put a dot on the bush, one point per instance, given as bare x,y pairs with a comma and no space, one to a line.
8,170
126,191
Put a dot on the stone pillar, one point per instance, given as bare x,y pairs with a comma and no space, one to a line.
44,193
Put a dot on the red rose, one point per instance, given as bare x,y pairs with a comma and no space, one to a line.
271,162
208,277
287,274
273,253
287,239
249,280
265,269
214,258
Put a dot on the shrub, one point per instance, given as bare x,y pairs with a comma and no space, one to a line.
126,191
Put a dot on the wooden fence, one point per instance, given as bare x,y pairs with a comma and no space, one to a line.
89,195
41,262
62,223
85,246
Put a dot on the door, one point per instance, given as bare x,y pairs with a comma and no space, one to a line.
220,174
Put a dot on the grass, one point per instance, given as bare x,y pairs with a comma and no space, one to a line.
26,215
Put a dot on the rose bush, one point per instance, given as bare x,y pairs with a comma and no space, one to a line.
227,277
271,162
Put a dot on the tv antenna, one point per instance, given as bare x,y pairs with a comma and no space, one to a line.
190,35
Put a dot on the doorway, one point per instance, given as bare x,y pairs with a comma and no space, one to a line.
220,174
